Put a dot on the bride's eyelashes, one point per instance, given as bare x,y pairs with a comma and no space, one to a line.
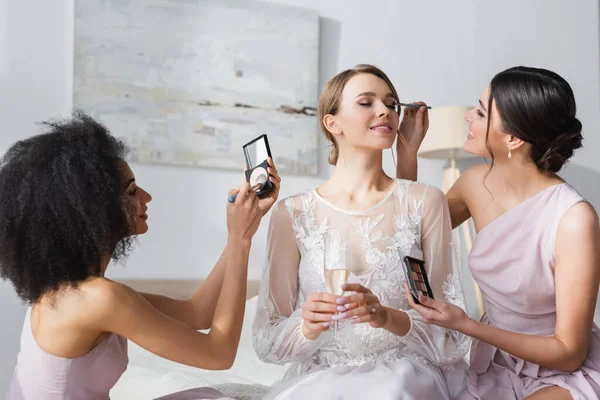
393,107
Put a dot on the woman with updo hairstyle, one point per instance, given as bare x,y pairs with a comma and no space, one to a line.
536,257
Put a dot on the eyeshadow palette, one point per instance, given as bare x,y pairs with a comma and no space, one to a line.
416,278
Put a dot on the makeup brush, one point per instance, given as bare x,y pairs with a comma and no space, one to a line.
260,181
412,105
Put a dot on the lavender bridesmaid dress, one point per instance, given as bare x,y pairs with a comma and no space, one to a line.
39,375
512,260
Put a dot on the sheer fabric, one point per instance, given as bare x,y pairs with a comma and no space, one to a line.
413,219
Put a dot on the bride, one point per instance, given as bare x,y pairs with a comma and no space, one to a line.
368,222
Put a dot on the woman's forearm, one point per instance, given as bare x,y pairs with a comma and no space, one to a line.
548,352
406,165
227,321
204,300
198,311
397,322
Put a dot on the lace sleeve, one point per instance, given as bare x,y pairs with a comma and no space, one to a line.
277,327
439,345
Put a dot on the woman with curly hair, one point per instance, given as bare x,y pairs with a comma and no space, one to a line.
69,203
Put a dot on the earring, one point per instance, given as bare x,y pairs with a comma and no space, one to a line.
509,153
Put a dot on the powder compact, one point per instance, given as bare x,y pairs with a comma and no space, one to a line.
256,153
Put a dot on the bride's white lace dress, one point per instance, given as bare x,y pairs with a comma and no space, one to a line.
426,363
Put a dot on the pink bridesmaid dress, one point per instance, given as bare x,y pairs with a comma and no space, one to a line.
39,375
512,261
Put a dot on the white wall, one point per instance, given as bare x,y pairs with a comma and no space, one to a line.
446,56
438,51
35,75
12,321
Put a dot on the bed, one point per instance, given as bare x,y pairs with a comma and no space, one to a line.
149,376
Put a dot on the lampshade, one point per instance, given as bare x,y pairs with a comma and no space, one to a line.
447,133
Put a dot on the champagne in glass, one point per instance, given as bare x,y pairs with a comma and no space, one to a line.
335,278
336,262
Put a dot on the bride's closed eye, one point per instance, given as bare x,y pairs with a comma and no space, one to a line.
393,106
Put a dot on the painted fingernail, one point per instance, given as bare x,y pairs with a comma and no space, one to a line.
354,321
340,300
326,324
344,286
342,308
339,316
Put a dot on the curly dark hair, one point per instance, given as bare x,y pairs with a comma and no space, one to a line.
63,206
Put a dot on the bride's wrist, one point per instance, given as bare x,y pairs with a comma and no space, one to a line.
308,334
397,321
385,311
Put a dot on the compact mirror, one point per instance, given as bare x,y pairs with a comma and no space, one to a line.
257,151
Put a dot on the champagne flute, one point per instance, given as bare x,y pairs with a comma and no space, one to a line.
336,259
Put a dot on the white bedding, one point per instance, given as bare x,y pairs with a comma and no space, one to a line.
149,376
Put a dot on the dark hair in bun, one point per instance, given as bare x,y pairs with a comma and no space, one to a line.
538,107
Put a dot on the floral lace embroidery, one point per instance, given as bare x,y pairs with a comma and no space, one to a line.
307,231
384,276
452,292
